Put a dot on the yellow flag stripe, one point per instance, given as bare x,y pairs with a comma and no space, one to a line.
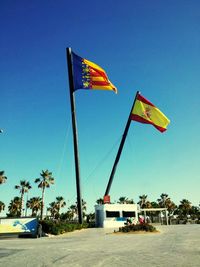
93,65
102,87
95,79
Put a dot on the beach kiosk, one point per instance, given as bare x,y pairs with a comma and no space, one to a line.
115,215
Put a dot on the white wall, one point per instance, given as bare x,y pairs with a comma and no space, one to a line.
106,222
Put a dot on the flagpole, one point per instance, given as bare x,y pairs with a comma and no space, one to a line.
75,134
120,148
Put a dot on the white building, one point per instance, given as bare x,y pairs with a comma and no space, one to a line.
115,215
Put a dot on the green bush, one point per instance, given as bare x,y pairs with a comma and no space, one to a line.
57,228
47,226
138,227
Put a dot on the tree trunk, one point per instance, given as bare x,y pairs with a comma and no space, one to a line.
42,204
21,204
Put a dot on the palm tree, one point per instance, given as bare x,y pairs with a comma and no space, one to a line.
125,200
130,201
154,204
44,181
67,215
163,200
185,207
143,201
34,204
171,207
23,187
56,206
99,201
74,209
2,206
14,207
145,204
194,212
53,209
3,178
122,200
60,203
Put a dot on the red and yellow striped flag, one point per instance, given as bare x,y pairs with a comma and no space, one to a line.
88,75
145,112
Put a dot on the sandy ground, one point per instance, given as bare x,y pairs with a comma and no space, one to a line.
176,245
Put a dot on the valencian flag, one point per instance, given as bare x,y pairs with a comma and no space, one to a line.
82,74
145,112
88,75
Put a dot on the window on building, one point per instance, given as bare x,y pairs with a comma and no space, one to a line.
128,213
110,214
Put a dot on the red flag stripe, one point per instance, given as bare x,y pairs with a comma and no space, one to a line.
144,100
95,72
142,120
101,83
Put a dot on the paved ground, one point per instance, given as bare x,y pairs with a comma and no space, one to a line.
176,245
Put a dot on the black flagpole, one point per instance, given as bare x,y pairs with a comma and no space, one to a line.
120,149
75,135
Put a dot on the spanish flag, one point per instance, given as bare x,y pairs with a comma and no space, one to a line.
145,112
88,75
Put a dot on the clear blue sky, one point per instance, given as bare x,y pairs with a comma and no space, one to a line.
151,46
